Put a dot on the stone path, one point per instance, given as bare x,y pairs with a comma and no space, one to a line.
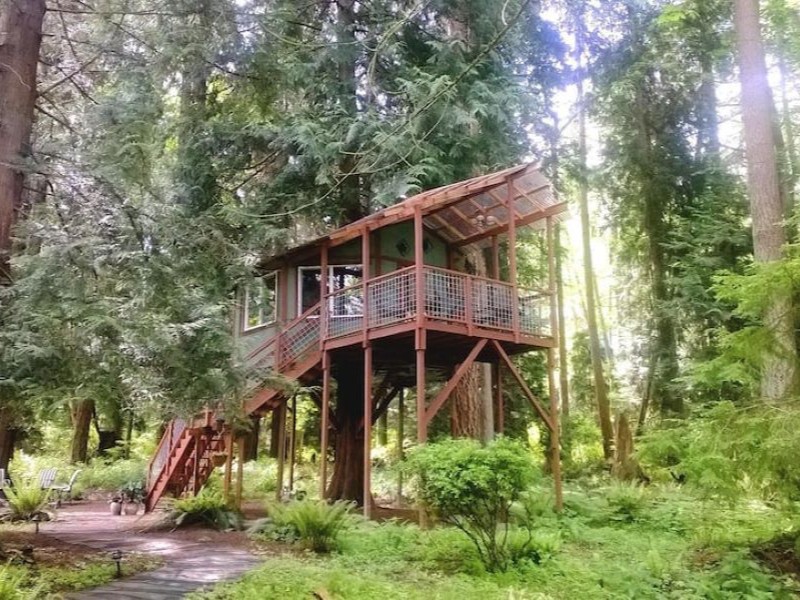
190,563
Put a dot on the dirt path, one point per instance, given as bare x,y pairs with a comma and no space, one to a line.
193,558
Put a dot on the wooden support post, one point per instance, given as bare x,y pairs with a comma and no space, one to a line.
293,443
325,424
444,394
198,452
366,273
524,386
419,266
226,482
401,409
240,474
495,257
368,431
555,436
281,449
323,296
500,421
422,426
512,258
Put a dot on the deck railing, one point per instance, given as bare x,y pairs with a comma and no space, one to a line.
450,296
173,433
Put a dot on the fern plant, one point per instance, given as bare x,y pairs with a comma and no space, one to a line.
316,525
209,507
26,500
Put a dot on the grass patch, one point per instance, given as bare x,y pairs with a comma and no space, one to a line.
611,542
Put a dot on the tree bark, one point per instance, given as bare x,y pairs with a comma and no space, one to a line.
20,39
8,438
251,439
82,413
763,190
274,433
347,480
600,387
466,419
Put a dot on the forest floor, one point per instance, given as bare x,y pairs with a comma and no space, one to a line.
611,542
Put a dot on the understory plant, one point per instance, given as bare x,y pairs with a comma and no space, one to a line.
473,488
209,507
314,524
26,500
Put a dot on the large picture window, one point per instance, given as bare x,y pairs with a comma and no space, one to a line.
339,277
261,301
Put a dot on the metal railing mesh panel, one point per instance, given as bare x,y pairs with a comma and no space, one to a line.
534,313
299,338
445,294
493,304
345,311
392,299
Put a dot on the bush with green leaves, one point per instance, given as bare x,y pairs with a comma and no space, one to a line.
626,501
473,487
731,451
209,507
26,500
14,585
315,524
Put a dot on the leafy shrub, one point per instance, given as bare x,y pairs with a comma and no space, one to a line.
209,507
626,502
14,586
528,546
108,476
26,500
473,488
316,525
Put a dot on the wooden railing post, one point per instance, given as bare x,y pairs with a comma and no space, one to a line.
469,305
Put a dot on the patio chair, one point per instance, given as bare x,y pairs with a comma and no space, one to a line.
47,477
64,491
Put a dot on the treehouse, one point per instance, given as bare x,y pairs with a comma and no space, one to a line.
378,306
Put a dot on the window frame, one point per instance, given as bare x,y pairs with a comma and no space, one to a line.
264,321
331,268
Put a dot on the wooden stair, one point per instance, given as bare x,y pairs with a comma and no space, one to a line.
184,459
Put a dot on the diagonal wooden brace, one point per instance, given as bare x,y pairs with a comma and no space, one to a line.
524,386
444,394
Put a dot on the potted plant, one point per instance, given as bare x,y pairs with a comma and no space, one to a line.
115,504
132,496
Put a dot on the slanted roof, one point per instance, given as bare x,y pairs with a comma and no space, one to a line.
467,212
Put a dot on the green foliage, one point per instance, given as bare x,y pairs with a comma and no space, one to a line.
315,524
627,501
731,451
26,500
14,585
209,507
473,487
111,475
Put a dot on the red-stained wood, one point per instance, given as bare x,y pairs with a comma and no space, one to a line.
422,426
368,431
325,423
512,259
366,273
551,211
524,386
323,295
445,392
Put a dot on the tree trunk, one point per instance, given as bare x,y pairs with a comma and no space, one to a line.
347,481
20,39
82,413
600,387
274,433
763,190
251,439
625,465
8,438
466,414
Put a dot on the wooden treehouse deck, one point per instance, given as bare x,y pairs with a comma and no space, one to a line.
399,323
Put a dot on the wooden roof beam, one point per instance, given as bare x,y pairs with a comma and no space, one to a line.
551,211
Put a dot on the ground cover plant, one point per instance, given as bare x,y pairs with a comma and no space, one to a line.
37,566
315,524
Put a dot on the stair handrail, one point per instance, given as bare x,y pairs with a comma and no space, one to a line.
172,433
281,332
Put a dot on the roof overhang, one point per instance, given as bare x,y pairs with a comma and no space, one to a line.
464,213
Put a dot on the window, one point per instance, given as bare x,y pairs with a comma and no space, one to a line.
339,277
261,301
